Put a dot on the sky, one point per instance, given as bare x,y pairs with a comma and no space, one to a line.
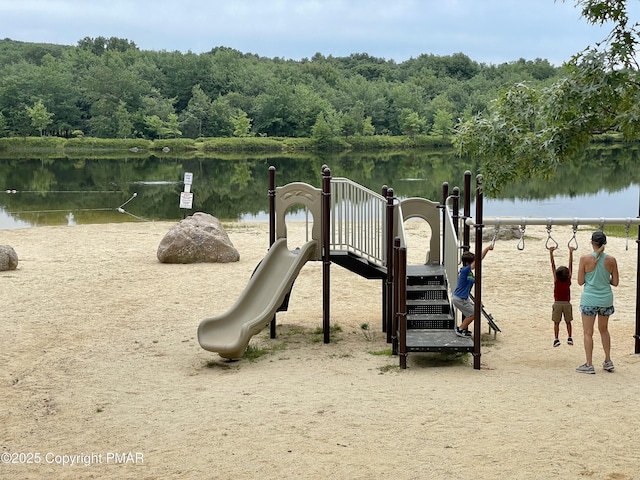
487,31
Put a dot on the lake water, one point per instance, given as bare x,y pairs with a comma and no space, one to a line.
620,204
35,192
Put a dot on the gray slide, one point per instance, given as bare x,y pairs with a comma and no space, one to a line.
229,334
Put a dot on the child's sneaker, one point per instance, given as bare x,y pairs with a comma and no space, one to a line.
586,369
608,366
569,341
556,343
461,333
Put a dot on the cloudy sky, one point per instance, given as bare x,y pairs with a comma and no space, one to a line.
488,31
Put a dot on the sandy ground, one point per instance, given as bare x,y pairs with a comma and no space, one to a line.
101,367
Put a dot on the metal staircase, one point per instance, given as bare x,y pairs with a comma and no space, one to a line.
430,317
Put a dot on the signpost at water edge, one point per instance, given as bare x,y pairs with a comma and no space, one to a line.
186,197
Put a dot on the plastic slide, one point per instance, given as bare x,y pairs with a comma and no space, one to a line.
229,334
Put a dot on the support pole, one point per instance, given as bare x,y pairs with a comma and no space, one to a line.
637,334
466,233
445,195
402,304
390,262
394,324
385,281
326,254
272,229
477,308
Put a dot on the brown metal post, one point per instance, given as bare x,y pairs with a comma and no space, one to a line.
389,285
477,310
445,195
326,254
385,293
272,229
402,304
396,287
466,212
637,335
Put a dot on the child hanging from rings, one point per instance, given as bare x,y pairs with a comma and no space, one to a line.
562,296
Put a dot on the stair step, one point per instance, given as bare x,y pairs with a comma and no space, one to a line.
427,292
437,341
432,321
442,307
426,280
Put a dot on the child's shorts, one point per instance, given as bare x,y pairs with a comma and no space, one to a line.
559,309
465,305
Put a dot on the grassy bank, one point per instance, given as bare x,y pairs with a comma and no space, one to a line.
203,145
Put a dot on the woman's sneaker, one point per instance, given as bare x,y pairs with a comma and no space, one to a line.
586,369
608,366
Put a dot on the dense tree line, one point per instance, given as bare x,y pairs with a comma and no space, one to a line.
109,88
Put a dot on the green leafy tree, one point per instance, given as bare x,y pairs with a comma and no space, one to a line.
348,125
367,127
410,122
170,127
198,107
123,121
4,128
443,123
530,130
154,125
322,132
40,117
241,124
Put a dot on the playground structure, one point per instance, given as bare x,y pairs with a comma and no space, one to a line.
363,232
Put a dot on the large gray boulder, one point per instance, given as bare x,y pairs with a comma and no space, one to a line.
8,258
198,238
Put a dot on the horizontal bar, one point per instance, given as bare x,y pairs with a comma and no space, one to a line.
554,221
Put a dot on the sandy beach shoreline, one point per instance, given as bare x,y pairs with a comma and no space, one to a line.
101,364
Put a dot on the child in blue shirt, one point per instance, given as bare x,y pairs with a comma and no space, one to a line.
461,298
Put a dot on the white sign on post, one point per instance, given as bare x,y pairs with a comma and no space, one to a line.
186,197
186,200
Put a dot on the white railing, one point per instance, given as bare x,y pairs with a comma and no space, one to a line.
398,227
358,221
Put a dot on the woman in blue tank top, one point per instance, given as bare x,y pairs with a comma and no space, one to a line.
597,272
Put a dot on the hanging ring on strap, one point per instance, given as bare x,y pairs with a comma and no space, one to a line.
626,229
520,245
495,235
573,241
550,241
